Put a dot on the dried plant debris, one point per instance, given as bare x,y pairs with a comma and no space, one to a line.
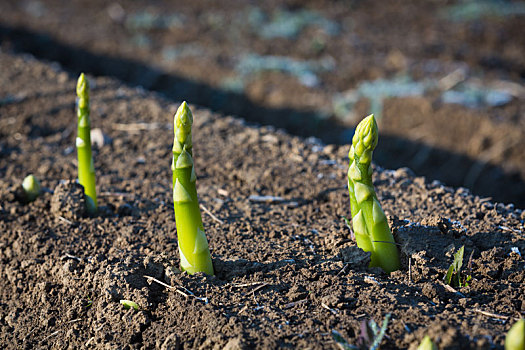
370,337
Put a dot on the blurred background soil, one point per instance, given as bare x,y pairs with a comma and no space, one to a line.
288,273
444,78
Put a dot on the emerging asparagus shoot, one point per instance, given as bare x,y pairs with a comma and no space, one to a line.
427,344
128,304
371,229
86,168
515,339
193,245
31,187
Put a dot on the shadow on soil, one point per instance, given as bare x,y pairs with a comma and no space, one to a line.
451,168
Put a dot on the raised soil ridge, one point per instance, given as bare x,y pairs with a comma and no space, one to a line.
287,270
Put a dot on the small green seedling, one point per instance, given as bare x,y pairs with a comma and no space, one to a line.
193,244
86,167
515,339
369,339
128,304
427,344
371,229
454,276
31,187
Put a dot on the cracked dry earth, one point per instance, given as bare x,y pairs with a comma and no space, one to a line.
287,270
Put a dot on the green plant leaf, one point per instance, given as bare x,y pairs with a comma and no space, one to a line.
453,276
380,335
450,272
338,338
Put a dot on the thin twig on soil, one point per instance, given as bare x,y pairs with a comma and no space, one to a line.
246,284
57,331
451,80
450,289
410,270
211,214
65,220
115,194
266,199
69,256
187,294
28,334
310,245
89,341
223,193
134,127
271,200
243,309
258,288
342,270
51,335
491,314
295,303
505,228
371,279
329,309
73,321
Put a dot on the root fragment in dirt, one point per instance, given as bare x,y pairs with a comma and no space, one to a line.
491,314
295,303
187,293
207,211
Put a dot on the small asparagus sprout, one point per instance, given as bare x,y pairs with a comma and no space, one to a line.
193,245
31,187
427,344
515,339
86,168
455,277
371,229
128,304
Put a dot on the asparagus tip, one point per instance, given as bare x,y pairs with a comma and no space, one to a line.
184,117
183,122
427,344
367,132
82,85
31,187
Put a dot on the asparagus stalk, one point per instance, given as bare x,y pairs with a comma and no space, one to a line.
86,168
427,344
193,245
371,229
515,339
31,187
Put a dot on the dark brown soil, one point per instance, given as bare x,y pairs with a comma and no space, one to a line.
287,271
196,50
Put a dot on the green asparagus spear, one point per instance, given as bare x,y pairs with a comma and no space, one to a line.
193,245
31,187
515,339
86,168
371,229
427,344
